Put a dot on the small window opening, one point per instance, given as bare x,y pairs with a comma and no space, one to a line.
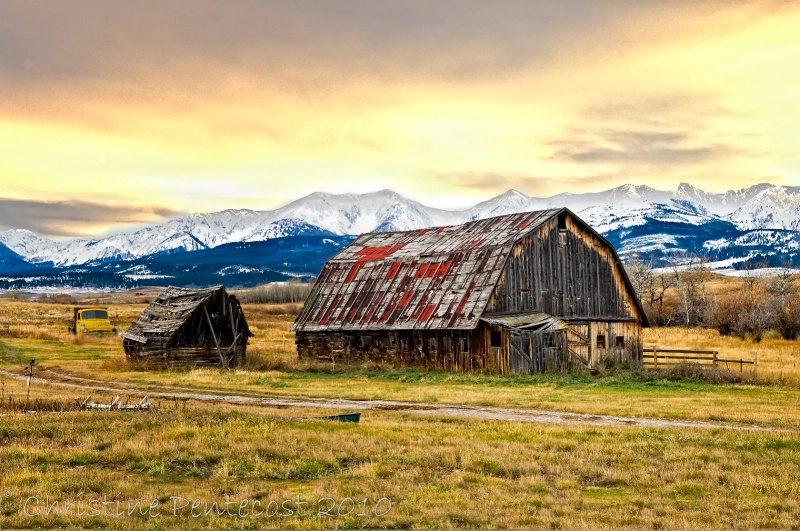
601,341
365,341
464,344
432,344
549,340
419,343
562,230
495,339
404,344
620,342
392,340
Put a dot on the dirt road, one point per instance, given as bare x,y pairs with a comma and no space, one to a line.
430,409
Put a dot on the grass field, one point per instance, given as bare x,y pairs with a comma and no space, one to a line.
394,469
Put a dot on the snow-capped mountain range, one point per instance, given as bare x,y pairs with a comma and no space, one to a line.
762,220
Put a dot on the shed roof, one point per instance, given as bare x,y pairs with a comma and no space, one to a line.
528,321
424,279
164,316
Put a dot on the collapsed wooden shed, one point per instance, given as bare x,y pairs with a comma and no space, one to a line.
189,328
531,292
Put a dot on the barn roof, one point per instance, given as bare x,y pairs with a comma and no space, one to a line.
424,279
165,316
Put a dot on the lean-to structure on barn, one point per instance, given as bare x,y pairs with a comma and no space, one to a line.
531,292
189,328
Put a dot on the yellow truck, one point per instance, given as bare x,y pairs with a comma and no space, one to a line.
91,320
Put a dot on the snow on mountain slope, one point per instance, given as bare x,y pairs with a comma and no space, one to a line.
618,210
30,246
772,208
357,214
719,204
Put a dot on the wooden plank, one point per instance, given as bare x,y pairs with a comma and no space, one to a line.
681,351
222,359
667,357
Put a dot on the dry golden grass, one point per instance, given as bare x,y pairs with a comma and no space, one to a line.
776,356
437,473
273,368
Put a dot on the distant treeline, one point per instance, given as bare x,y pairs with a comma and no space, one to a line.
690,295
278,293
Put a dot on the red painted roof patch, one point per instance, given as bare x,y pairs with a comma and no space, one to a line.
406,299
429,309
393,271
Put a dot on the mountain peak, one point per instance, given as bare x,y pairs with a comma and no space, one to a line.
513,192
757,207
685,191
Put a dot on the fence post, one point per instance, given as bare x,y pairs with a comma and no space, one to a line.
755,362
715,359
655,356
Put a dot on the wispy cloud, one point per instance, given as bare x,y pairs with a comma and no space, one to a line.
638,148
74,218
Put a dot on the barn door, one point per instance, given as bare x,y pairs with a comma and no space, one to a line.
519,355
579,342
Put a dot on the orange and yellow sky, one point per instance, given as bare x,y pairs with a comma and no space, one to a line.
116,113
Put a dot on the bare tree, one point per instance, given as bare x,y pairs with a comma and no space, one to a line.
690,283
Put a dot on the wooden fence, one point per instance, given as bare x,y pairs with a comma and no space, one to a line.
654,358
5,327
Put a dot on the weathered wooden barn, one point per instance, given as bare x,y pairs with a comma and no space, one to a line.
531,292
189,328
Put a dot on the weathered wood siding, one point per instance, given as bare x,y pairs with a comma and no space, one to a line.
566,272
456,350
598,342
529,353
167,357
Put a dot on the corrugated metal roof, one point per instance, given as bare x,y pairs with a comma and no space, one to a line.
425,279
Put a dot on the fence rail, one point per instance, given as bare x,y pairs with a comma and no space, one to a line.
5,326
655,357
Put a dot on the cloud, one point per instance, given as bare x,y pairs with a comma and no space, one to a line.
647,131
74,218
638,147
496,181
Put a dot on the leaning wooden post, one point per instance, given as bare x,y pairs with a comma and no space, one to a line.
234,331
715,359
214,335
755,362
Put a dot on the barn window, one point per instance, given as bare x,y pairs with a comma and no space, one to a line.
464,344
419,343
392,340
562,230
549,340
404,344
432,344
495,339
601,341
620,342
365,341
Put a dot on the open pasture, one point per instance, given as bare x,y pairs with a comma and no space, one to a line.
413,471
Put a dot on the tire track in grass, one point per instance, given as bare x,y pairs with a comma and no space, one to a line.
418,408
